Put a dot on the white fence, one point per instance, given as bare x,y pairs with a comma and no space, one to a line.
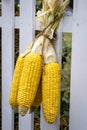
26,23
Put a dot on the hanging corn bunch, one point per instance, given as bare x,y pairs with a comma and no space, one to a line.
37,72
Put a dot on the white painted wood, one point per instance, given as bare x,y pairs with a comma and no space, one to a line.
58,44
26,122
78,105
67,23
27,15
27,24
7,61
17,22
58,47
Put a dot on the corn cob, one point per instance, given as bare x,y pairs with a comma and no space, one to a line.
15,83
37,101
30,77
50,84
16,79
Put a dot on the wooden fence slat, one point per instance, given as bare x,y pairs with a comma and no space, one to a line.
78,98
17,22
67,23
7,61
27,23
27,15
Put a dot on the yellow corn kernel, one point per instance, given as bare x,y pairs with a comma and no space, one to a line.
29,81
15,83
38,99
51,91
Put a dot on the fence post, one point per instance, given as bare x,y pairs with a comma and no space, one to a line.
7,61
27,15
78,98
